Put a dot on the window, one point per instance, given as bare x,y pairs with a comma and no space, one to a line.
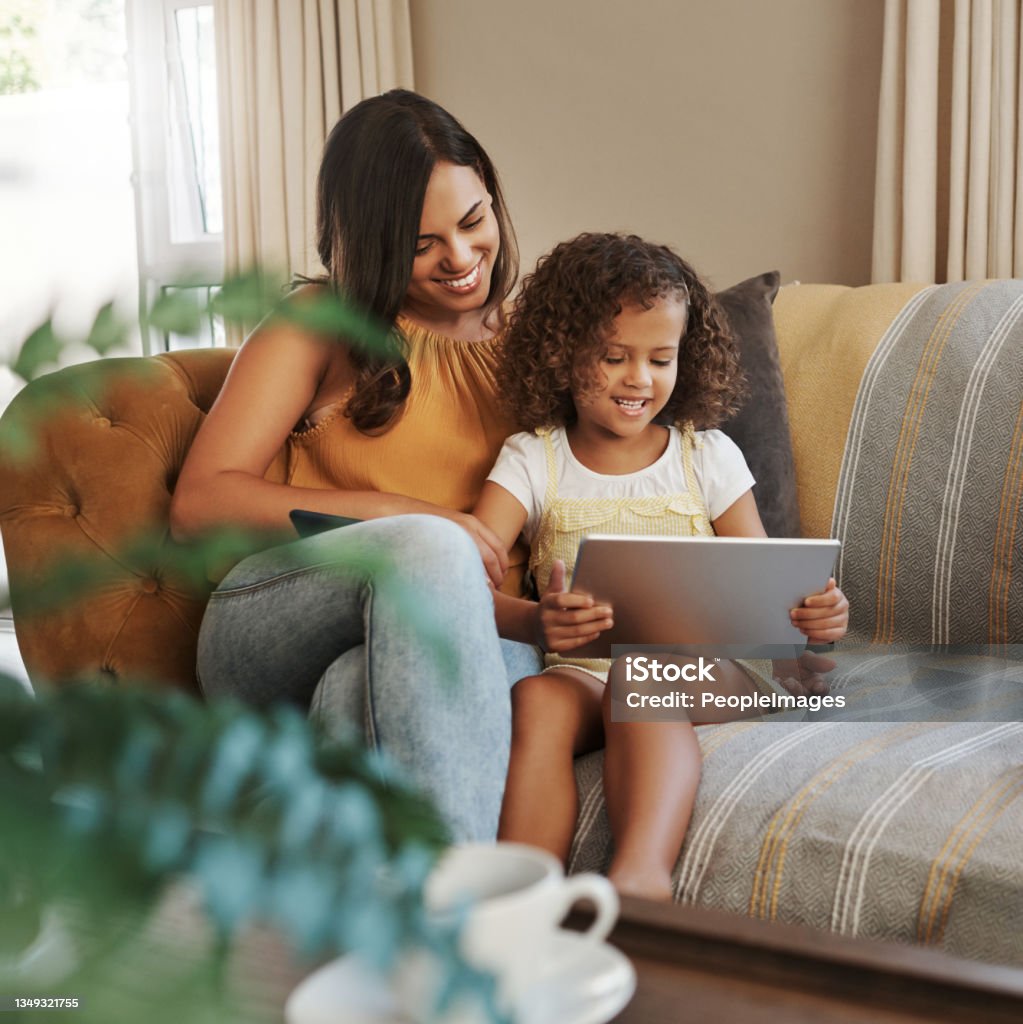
196,213
177,157
67,211
68,242
109,173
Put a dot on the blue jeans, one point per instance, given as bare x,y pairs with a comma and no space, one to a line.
335,622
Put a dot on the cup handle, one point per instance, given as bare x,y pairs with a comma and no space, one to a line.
601,893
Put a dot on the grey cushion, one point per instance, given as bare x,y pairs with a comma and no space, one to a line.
761,427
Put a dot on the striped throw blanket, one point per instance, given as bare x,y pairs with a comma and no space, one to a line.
907,832
908,436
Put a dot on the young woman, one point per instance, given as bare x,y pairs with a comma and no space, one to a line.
412,229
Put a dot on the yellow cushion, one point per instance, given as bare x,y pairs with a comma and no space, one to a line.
826,334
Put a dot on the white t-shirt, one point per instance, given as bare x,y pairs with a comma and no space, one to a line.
521,469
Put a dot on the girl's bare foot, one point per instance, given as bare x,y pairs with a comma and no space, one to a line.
648,884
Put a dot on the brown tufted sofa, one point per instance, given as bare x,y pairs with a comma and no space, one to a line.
110,439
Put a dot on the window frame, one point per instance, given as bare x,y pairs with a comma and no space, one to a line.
155,73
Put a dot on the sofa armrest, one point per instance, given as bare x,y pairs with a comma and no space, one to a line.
108,440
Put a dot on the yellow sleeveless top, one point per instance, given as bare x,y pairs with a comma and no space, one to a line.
440,446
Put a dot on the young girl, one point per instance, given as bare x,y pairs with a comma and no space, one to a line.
615,348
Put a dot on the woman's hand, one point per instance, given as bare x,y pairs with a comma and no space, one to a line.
566,620
823,618
491,548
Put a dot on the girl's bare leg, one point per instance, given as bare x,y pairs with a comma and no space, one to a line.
651,774
555,717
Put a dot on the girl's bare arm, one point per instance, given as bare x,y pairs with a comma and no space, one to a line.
740,519
560,621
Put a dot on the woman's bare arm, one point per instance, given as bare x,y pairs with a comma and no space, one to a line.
271,385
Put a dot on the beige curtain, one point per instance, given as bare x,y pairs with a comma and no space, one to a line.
286,71
949,189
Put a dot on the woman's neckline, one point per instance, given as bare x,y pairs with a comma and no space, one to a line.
437,331
573,458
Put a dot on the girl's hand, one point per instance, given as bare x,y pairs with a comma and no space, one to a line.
824,617
803,676
565,620
491,549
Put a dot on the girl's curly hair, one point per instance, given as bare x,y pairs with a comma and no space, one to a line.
562,321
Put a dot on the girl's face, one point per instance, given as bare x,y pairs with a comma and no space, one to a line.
640,366
458,242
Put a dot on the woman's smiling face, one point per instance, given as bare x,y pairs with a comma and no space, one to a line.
459,240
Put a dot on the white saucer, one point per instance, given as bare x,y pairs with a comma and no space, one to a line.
598,984
345,991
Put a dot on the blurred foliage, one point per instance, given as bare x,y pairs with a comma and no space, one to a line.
176,312
94,41
46,44
19,48
105,795
246,299
108,332
109,796
39,351
61,43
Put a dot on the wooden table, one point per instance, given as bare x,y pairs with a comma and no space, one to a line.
706,966
701,965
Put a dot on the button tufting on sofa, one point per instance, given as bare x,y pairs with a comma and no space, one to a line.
148,410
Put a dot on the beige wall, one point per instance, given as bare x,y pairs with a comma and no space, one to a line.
742,132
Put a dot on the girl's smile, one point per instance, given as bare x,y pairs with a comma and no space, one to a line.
632,406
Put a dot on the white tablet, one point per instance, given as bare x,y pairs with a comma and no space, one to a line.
728,591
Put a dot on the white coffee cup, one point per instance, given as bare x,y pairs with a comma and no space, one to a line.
515,897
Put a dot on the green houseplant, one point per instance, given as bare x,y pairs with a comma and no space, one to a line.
111,797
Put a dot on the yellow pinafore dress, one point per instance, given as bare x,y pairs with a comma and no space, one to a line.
564,522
